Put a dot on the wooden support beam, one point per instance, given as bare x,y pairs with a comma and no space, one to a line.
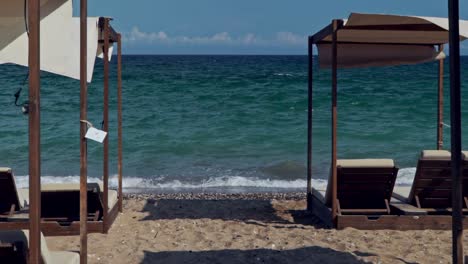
440,105
119,113
456,136
34,133
334,119
105,174
83,129
309,125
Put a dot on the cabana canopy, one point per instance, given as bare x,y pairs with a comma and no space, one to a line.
60,37
384,40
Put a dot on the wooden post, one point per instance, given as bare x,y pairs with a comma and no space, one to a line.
105,174
34,14
456,139
83,129
334,120
309,126
119,113
440,105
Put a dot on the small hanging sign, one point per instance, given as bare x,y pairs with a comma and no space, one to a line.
94,133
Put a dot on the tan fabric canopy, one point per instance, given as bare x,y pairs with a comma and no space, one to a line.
382,40
60,35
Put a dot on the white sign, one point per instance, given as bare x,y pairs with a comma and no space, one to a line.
96,134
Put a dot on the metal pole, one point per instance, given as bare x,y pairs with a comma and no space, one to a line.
106,124
119,113
83,129
455,120
309,127
334,119
440,105
34,14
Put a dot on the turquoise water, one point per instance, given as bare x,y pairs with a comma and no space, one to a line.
227,121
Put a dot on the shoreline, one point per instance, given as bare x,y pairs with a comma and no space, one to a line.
263,196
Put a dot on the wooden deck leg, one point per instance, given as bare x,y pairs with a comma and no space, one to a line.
387,204
96,216
12,210
338,206
417,201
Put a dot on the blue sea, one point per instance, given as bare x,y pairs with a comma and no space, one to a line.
227,123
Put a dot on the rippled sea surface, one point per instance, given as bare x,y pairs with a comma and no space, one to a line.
228,122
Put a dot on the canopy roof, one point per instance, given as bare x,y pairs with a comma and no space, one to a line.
382,40
60,35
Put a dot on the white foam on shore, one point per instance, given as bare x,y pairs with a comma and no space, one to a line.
145,183
405,177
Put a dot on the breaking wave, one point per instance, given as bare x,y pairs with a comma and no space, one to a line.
405,177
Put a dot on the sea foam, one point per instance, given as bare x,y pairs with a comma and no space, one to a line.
405,177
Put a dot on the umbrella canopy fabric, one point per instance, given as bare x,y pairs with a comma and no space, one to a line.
383,40
60,35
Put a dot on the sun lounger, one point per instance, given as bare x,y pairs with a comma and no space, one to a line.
432,185
364,186
60,202
10,202
14,249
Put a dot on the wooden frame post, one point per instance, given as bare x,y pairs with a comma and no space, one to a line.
105,174
440,105
456,136
309,125
34,14
119,117
334,120
83,129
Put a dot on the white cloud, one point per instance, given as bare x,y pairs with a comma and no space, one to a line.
222,38
290,38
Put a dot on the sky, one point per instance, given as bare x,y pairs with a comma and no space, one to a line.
240,26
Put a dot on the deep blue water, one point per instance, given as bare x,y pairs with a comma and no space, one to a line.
238,121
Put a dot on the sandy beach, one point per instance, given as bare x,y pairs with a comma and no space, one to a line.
246,228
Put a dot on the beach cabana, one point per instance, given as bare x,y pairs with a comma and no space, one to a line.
373,40
55,49
61,58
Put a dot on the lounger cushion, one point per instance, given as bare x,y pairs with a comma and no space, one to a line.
5,170
113,198
59,187
435,155
49,257
65,257
365,163
23,196
401,193
465,155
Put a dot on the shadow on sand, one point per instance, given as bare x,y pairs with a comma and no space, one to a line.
249,211
302,255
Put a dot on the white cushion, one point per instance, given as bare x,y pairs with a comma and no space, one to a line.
23,197
5,170
365,163
112,198
401,193
435,155
54,187
65,257
465,155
